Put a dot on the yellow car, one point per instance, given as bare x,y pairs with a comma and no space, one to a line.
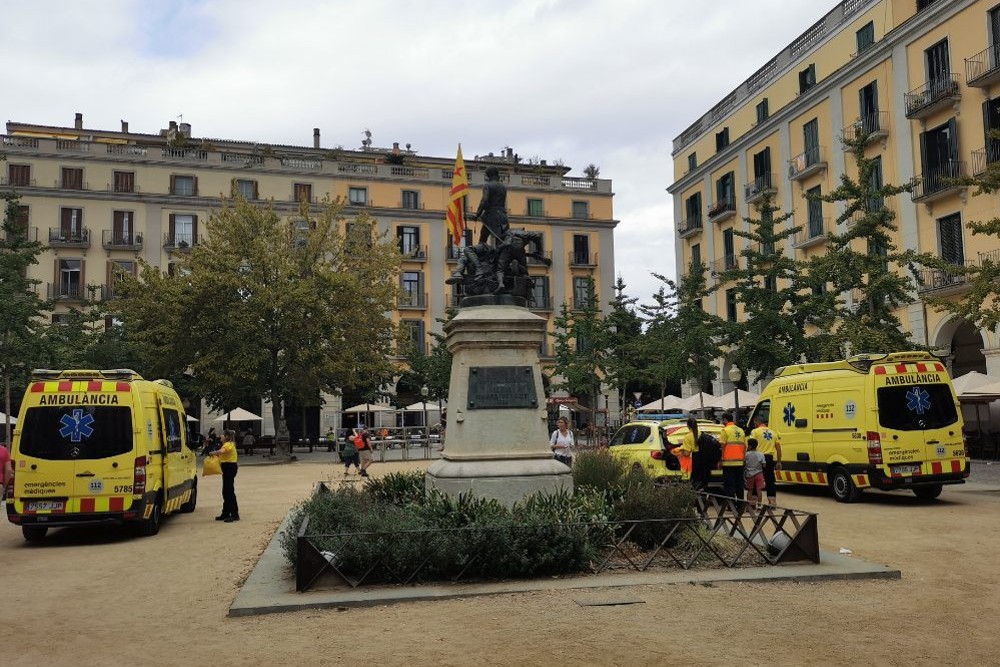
646,444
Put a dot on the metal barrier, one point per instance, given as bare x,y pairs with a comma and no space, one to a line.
725,532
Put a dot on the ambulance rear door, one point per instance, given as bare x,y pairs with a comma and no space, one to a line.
919,426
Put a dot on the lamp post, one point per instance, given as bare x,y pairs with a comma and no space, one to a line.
735,375
425,392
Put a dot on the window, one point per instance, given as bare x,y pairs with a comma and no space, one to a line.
581,249
729,249
415,328
722,139
939,156
121,228
72,178
410,199
810,134
581,210
868,106
245,188
112,426
865,37
814,207
581,298
357,196
731,304
117,269
20,221
724,190
70,276
897,409
630,435
692,161
692,210
184,186
409,240
19,175
412,284
302,192
696,255
358,234
124,181
762,170
938,66
950,239
807,78
536,208
771,283
762,112
540,291
71,225
183,230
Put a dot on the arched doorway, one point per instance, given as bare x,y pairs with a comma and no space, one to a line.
967,350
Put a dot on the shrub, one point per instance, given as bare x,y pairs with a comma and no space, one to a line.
598,469
397,488
642,499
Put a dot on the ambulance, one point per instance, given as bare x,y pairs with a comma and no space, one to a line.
100,447
873,421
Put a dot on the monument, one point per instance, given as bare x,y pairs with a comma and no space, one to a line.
498,441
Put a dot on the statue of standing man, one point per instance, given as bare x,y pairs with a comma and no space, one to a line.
492,211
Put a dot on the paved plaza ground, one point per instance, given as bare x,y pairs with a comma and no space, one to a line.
102,598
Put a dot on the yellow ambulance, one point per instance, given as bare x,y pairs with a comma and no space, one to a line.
99,447
881,421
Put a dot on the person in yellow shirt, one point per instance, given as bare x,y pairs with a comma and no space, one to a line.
734,448
687,451
227,459
768,444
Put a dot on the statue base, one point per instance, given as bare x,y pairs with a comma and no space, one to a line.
493,300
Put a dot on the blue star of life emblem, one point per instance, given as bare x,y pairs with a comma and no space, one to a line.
918,400
77,425
789,416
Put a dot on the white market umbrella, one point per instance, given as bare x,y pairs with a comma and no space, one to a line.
191,419
748,399
3,419
970,383
668,402
238,415
420,406
699,401
369,407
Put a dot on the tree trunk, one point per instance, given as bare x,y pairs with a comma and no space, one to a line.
282,442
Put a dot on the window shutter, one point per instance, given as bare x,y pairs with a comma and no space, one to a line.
194,229
173,184
923,154
172,227
55,278
233,189
256,193
65,222
953,144
83,278
110,282
195,186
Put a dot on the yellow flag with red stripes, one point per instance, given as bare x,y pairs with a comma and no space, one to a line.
456,205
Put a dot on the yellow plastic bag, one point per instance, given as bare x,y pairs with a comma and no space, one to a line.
211,466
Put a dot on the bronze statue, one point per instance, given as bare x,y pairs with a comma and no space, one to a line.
492,209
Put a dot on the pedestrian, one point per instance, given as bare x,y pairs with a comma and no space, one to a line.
212,442
562,442
6,471
349,455
687,451
227,458
249,442
444,427
768,444
363,441
753,473
733,441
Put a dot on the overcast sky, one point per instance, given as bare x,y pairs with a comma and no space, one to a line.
605,81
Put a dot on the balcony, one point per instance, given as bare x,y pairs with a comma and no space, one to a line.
17,182
984,157
933,96
414,253
452,252
689,227
582,303
73,238
721,210
724,263
70,184
29,234
943,282
760,187
812,234
68,292
184,154
108,292
807,163
543,303
871,127
583,258
983,69
120,241
181,242
412,300
939,182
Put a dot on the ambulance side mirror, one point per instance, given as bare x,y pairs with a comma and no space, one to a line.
801,423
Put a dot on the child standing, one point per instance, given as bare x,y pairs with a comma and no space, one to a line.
753,473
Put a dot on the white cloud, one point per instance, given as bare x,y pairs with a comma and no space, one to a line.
579,80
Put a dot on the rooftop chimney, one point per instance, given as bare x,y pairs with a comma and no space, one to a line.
173,125
315,137
78,123
124,127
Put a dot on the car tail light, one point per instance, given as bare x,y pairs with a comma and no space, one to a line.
874,448
9,482
656,454
139,480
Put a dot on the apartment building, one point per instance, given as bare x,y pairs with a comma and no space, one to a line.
100,199
922,78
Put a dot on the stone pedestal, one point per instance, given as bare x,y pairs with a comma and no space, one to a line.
496,452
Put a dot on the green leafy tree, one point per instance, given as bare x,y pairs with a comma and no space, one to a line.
283,308
581,348
624,361
865,262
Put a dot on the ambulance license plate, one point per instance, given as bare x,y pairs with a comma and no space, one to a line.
909,469
44,505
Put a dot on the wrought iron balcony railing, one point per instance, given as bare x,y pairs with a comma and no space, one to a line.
932,96
689,226
69,238
870,127
939,181
983,69
762,185
120,241
807,163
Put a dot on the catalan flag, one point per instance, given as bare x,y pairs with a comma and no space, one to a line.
456,205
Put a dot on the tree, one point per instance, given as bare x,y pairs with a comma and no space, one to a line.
433,369
860,261
23,310
283,308
580,337
624,361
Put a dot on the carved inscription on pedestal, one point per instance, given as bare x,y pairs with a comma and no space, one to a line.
502,387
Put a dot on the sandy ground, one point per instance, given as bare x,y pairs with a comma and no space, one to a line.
103,598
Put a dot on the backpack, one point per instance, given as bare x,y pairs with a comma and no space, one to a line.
710,450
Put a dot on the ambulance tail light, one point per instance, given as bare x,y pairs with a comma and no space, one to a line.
139,480
874,448
656,454
13,471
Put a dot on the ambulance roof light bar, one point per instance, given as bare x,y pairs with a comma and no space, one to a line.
45,374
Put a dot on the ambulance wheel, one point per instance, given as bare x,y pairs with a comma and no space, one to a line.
843,486
189,506
928,492
151,526
34,533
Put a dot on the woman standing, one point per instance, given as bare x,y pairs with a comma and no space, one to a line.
227,458
687,453
562,442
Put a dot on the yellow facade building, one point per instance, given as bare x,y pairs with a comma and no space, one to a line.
922,77
104,198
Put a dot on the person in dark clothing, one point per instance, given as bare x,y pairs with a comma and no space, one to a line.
492,211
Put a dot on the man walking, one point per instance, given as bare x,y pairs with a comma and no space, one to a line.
734,447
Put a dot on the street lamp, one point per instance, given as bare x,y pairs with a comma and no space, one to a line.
735,375
425,392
